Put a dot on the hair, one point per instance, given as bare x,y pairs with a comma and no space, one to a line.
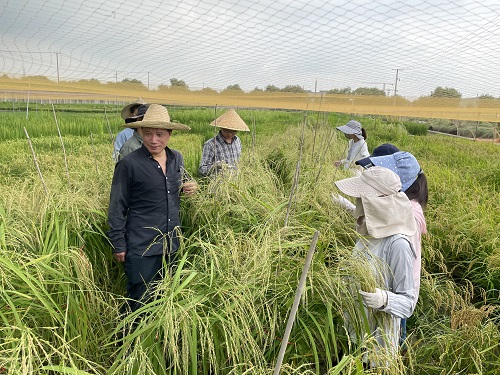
418,190
363,133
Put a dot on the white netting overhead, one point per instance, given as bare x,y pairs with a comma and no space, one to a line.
316,44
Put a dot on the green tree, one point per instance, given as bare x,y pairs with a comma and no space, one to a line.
486,96
234,87
368,91
445,92
272,88
174,82
91,81
292,88
208,90
344,91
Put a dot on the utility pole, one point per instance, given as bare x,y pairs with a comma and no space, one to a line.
116,76
396,82
148,80
57,65
316,86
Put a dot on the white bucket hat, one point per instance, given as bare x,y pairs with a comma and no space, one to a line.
157,117
230,120
352,127
387,210
375,181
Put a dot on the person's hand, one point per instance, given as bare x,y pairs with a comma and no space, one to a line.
120,257
219,165
375,300
343,202
190,187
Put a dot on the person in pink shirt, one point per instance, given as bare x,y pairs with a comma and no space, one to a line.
414,185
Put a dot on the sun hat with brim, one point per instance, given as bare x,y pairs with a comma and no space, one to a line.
230,120
384,149
404,164
374,182
352,127
140,114
157,117
127,110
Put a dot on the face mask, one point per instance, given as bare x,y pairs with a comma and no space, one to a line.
359,214
359,211
361,226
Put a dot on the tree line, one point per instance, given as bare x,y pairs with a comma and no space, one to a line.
438,92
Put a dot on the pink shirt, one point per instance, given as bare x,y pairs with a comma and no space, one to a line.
416,241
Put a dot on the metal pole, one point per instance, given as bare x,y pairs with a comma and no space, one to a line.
57,64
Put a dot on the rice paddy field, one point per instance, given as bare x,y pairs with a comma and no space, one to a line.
225,308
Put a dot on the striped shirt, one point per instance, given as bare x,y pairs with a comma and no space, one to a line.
215,150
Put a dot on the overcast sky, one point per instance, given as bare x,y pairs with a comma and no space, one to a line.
316,44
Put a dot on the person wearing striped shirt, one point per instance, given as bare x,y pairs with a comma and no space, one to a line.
224,150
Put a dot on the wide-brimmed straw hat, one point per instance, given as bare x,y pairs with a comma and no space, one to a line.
157,117
127,111
373,182
230,120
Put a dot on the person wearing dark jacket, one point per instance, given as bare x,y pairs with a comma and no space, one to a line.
143,214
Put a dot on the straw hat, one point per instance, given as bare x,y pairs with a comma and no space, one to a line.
127,110
157,117
231,120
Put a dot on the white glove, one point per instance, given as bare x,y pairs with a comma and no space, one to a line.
375,300
343,202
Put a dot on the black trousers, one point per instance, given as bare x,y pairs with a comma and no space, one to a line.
141,271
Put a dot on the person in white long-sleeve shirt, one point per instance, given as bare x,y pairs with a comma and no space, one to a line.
384,221
357,148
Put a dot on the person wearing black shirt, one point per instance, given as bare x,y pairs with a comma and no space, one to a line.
143,213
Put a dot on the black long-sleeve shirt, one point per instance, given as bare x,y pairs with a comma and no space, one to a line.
144,204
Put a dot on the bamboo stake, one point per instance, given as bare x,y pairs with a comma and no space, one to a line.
254,134
109,127
322,159
36,162
62,144
297,173
296,301
216,171
95,154
315,128
28,101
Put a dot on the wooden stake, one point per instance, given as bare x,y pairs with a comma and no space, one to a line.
95,154
109,127
62,144
36,162
296,301
297,173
